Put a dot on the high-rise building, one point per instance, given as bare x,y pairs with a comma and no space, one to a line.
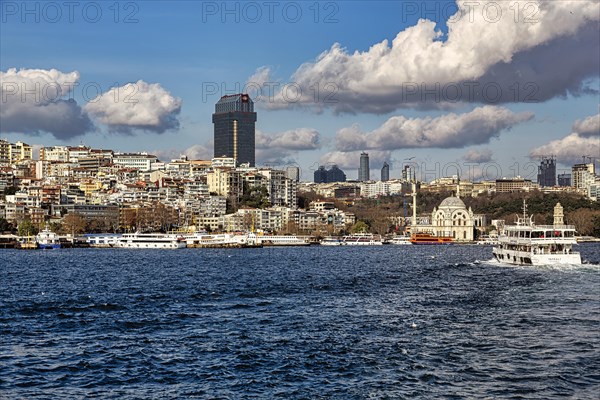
20,151
564,180
547,172
580,173
385,172
336,175
4,152
364,174
320,175
293,173
234,122
408,173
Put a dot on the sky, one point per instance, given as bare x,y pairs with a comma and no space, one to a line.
478,88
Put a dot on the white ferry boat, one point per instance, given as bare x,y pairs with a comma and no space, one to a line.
331,241
102,239
400,240
528,244
362,239
47,239
283,240
151,241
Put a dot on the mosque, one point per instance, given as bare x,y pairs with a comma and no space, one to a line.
452,218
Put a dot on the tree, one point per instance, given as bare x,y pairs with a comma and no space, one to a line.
359,227
583,219
73,224
4,225
255,197
26,228
10,190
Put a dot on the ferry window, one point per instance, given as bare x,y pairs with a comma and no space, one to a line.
548,234
568,234
528,234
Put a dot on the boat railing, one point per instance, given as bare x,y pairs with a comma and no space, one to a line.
554,227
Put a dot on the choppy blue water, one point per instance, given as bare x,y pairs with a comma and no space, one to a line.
386,322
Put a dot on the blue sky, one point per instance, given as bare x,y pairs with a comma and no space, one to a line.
181,50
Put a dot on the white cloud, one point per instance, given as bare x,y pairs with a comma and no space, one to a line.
584,141
194,152
35,101
446,131
569,149
588,127
279,147
296,139
199,152
136,106
351,160
478,156
477,51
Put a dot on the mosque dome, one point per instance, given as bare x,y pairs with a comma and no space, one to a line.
452,202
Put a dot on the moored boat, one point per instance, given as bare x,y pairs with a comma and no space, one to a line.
362,239
400,240
421,238
283,240
46,239
331,241
151,241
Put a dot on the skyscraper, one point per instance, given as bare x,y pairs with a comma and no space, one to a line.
364,174
234,121
581,174
320,175
293,173
408,173
385,172
336,175
547,172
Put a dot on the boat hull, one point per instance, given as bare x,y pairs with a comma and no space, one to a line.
50,246
432,243
152,245
525,258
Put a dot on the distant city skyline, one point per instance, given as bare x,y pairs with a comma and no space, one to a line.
420,84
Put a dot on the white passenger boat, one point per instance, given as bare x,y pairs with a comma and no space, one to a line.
151,241
529,244
400,240
46,239
362,239
102,239
331,241
282,240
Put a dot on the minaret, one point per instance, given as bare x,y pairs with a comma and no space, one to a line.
558,215
414,216
458,186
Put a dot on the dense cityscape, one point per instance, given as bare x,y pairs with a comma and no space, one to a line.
338,200
78,189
